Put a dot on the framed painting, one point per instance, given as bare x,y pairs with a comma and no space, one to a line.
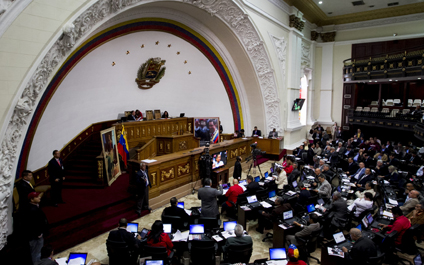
110,154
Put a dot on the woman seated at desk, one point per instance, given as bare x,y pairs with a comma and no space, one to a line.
165,114
157,238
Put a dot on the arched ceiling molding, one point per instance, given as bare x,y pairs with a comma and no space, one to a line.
9,11
74,33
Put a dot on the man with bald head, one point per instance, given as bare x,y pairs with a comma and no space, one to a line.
232,194
410,204
362,249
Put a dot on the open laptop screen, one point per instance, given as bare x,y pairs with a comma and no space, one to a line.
339,237
226,186
359,227
311,208
78,258
277,253
266,174
320,201
132,227
271,194
228,226
197,229
294,184
288,215
365,222
154,262
257,178
180,205
252,199
370,219
418,259
167,228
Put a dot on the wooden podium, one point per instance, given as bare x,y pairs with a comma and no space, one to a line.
219,174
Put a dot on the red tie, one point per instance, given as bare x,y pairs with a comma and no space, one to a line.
58,161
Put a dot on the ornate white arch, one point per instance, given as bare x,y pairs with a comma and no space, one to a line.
18,118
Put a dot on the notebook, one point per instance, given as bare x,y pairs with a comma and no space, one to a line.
77,258
277,253
257,178
180,205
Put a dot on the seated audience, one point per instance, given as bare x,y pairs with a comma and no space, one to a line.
336,216
265,219
353,166
401,224
131,116
362,204
46,256
364,179
417,215
381,169
317,149
252,186
289,167
157,238
238,240
369,187
273,134
174,210
138,115
362,249
324,188
232,193
295,173
327,172
256,132
281,180
305,232
409,205
122,235
393,176
359,173
303,195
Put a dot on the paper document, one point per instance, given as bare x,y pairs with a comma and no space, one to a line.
269,178
217,238
245,208
77,261
277,262
273,198
282,226
334,252
266,205
261,183
61,261
387,214
290,193
148,160
394,202
187,211
226,234
310,177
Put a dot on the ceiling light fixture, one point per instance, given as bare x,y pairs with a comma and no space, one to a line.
370,80
396,80
390,79
320,2
419,77
375,81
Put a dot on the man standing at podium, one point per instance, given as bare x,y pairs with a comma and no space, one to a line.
56,172
143,184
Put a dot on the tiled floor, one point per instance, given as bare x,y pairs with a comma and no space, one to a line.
96,247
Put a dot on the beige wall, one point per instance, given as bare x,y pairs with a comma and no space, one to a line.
341,52
317,82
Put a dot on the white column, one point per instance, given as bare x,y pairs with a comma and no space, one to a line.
326,84
293,79
311,90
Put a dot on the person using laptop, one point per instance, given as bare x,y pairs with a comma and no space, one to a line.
281,180
304,195
401,224
232,194
122,235
174,210
336,215
305,232
363,248
362,204
252,186
238,240
324,188
158,238
46,256
265,219
417,215
208,196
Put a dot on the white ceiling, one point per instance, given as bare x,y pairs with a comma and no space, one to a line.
343,7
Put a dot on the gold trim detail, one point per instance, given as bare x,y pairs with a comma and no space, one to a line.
167,175
185,169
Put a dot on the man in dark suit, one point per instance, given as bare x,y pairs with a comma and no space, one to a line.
300,151
273,134
143,184
294,174
238,240
174,210
365,178
327,172
348,153
306,231
362,249
237,168
122,235
24,188
414,159
56,172
36,225
256,132
353,167
304,195
334,157
131,116
336,215
381,169
369,162
393,161
208,196
252,186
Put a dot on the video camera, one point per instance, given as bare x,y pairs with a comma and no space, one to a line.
255,152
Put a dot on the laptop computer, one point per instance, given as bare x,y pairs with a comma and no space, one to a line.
375,222
229,226
288,217
277,254
132,227
167,229
271,170
180,205
243,182
143,233
257,178
320,202
153,262
253,201
78,258
225,188
359,227
266,174
310,208
418,259
341,241
196,232
294,184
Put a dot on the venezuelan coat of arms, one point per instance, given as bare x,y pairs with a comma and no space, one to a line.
150,73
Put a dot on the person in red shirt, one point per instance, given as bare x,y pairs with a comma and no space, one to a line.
157,238
289,167
293,255
401,224
231,195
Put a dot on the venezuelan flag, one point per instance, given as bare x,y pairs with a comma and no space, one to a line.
123,146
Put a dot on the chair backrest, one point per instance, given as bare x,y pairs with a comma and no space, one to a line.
396,101
385,110
176,221
209,222
242,198
119,253
374,103
366,109
202,252
417,101
262,194
377,260
335,181
155,252
358,108
404,111
389,102
311,244
416,104
304,156
374,109
393,113
239,253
